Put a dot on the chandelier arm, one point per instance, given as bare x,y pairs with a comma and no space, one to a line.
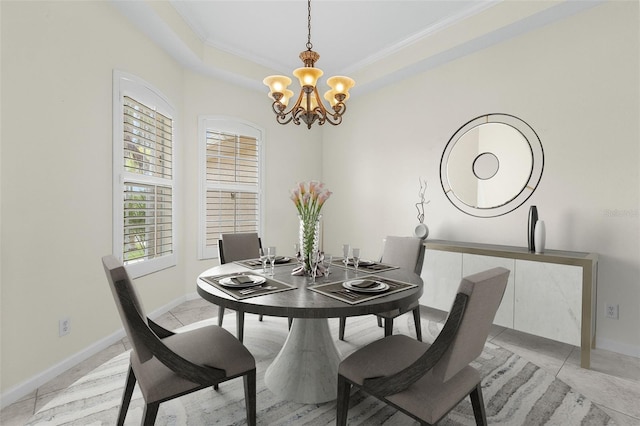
339,108
281,116
282,119
296,110
278,108
333,119
298,113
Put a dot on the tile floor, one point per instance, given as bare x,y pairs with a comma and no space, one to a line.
613,382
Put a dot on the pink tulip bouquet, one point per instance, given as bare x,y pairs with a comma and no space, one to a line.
309,197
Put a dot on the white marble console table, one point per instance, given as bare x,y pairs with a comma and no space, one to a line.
551,294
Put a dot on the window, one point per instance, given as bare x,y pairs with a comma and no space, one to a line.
144,177
231,179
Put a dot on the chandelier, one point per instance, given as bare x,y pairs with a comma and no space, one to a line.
309,107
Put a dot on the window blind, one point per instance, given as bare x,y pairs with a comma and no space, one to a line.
148,218
147,141
232,180
232,158
148,193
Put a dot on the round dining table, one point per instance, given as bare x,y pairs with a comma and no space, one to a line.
306,368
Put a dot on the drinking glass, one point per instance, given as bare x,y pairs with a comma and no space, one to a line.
356,258
327,265
345,254
298,254
263,259
271,255
315,258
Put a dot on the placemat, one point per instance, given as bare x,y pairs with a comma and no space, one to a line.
337,291
256,264
373,268
268,287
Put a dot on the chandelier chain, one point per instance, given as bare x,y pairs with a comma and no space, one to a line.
309,45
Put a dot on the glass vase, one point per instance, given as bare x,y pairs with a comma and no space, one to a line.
309,240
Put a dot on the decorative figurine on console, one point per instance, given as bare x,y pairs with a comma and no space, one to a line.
421,230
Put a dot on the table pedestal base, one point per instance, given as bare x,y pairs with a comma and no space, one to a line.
306,369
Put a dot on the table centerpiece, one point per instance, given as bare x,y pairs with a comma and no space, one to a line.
309,197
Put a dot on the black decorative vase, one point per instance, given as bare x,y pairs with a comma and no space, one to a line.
531,229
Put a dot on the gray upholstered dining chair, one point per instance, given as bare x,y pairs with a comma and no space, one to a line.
232,247
167,365
427,381
406,253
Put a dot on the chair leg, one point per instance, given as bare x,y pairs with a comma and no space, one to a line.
478,406
126,396
220,315
416,320
240,324
290,322
343,324
344,392
388,326
260,317
250,396
379,321
150,413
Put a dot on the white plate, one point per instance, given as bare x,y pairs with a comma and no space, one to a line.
377,288
256,280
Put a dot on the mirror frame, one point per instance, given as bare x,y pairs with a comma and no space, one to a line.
537,166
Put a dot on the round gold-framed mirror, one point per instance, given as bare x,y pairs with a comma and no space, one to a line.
491,165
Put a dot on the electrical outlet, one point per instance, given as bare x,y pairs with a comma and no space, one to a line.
64,326
611,311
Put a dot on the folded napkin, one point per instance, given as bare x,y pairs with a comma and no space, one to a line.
375,266
241,279
365,284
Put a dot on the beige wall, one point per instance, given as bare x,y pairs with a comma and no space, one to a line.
57,68
576,83
57,64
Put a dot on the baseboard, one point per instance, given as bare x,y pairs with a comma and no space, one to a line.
614,346
192,296
25,388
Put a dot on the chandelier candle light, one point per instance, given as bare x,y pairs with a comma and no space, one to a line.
309,197
309,107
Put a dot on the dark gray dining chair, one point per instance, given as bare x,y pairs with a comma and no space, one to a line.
167,365
232,247
427,381
406,253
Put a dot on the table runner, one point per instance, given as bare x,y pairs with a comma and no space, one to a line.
337,291
268,287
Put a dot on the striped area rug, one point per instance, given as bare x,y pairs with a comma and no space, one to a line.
516,392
